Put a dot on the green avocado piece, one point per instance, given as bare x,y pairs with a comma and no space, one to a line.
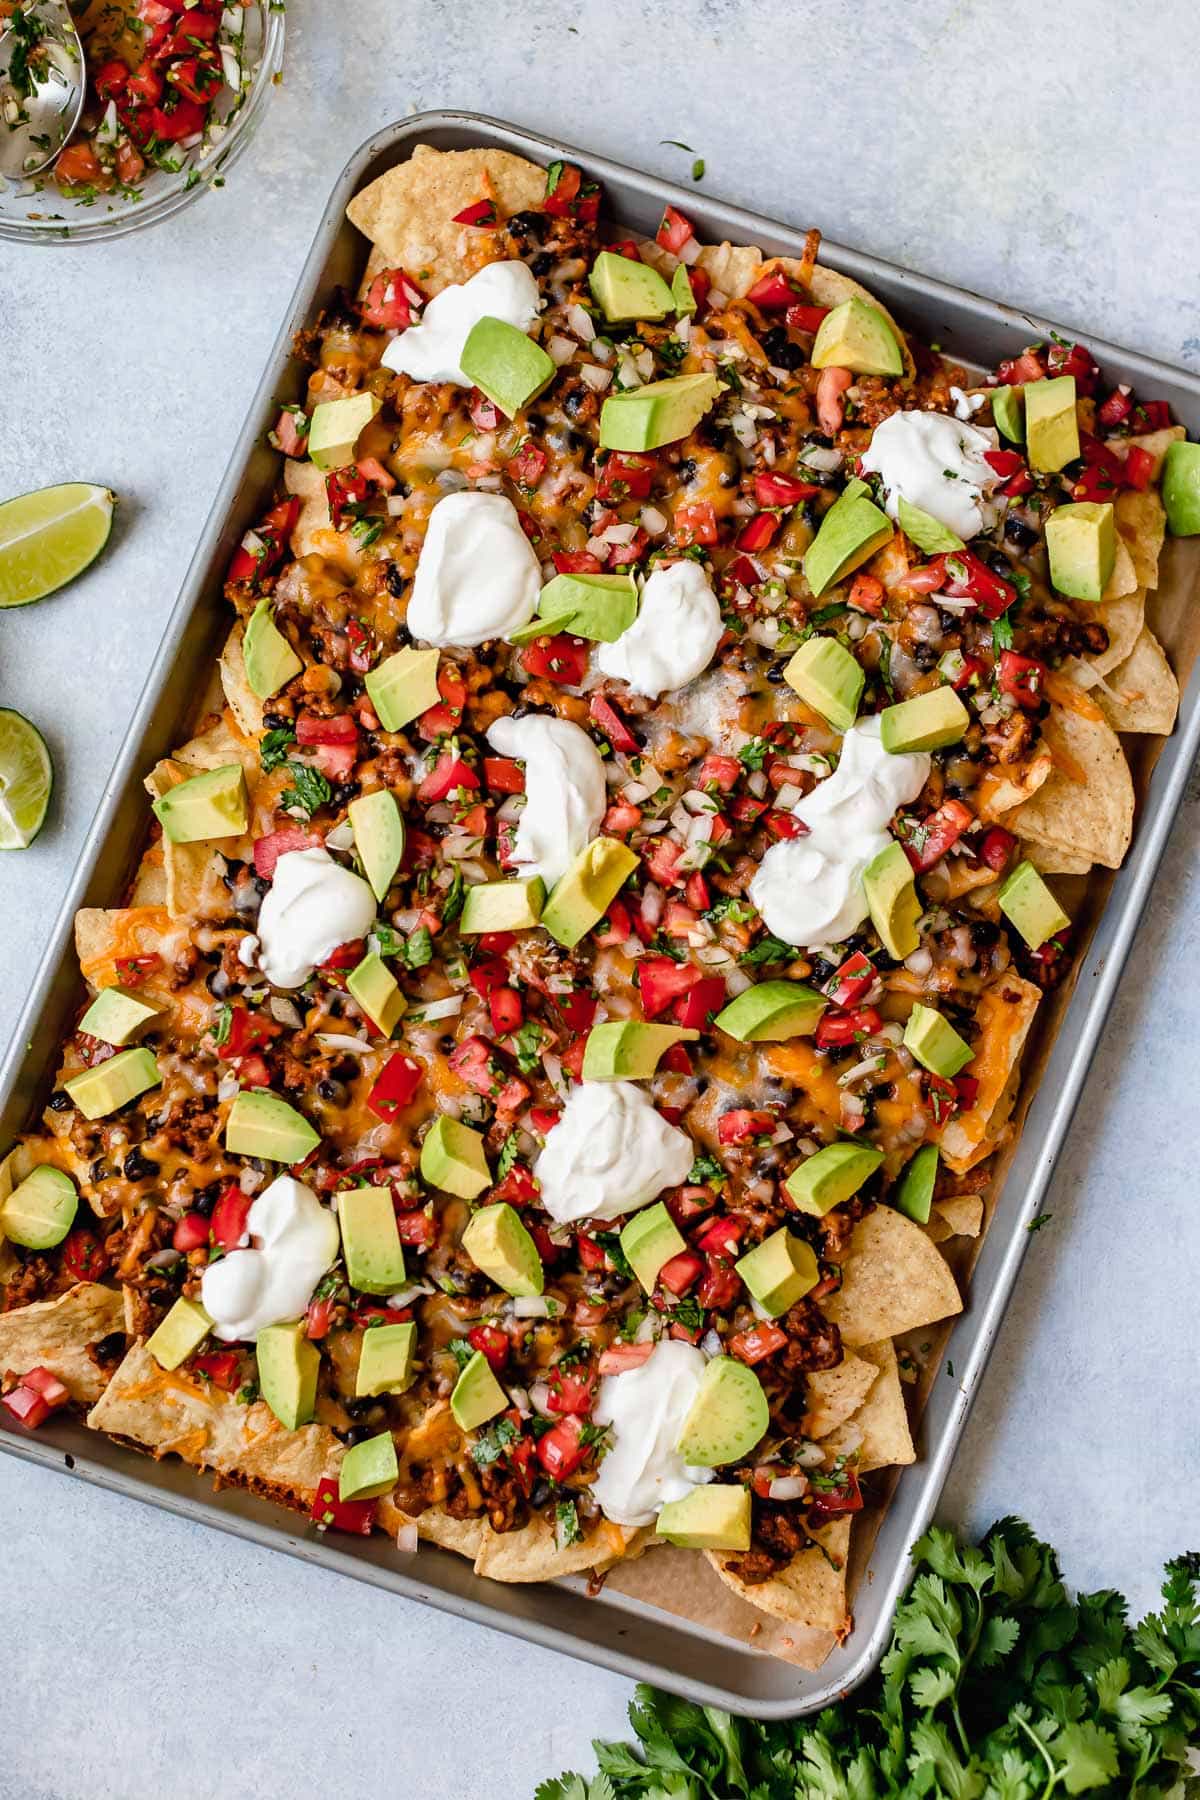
659,413
116,1015
1081,540
1027,903
377,991
369,1469
915,1196
771,1011
112,1084
183,1330
1051,423
893,901
40,1210
1181,488
629,1049
261,1124
583,895
649,1240
828,679
385,1361
477,1395
928,721
926,532
682,296
935,1043
211,805
403,687
831,1176
779,1271
371,1244
288,1366
715,1517
856,336
453,1159
852,530
599,607
728,1416
378,837
1008,410
506,365
624,289
502,906
270,660
497,1242
336,427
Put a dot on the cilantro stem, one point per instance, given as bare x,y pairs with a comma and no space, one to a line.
1033,1737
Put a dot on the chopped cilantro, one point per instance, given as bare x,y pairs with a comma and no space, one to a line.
705,1169
1002,633
698,169
754,754
567,1528
309,790
220,1031
526,1045
509,1152
491,1444
456,894
610,1243
767,950
461,1351
418,950
275,746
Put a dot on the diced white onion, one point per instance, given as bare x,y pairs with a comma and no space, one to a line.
408,1538
561,349
285,1012
227,1087
396,504
653,521
531,1306
787,1487
428,1011
689,250
581,322
341,1041
711,1343
341,837
597,378
406,1295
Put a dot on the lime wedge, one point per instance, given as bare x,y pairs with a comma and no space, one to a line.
26,780
49,537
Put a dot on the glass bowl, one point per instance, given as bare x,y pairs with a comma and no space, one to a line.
39,212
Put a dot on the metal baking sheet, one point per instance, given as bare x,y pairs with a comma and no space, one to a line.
613,1631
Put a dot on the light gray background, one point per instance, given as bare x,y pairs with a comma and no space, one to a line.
1047,158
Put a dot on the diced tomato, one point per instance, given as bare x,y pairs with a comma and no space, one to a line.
674,231
626,475
440,720
744,572
591,1254
850,981
77,165
758,532
485,414
503,776
966,1088
416,1228
618,1359
489,974
269,849
561,658
252,1071
111,79
678,920
346,956
36,1396
560,1450
613,725
995,848
528,466
928,841
941,1095
571,1391
836,1029
145,85
480,212
1022,678
272,533
291,439
190,1233
494,1343
318,1319
340,729
392,300
696,893
615,928
518,1187
969,579
495,943
785,825
327,1511
721,1237
747,810
1157,414
774,291
720,1287
620,819
575,562
201,25
771,489
228,1222
347,490
806,318
625,247
676,1060
681,1272
690,1203
184,120
973,669
1029,366
572,1058
84,1257
1073,359
375,472
563,182
831,1503
705,997
1116,408
196,79
695,524
741,1124
759,1342
507,1010
448,774
134,970
1139,468
395,1086
221,1367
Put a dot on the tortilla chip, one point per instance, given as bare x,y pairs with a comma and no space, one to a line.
1004,1014
1086,806
835,1395
893,1280
408,212
953,877
732,268
963,1213
1142,694
1048,859
529,1554
1123,620
195,885
150,883
463,1536
55,1334
244,703
104,934
1003,788
1142,527
1123,579
1155,443
879,1432
810,1591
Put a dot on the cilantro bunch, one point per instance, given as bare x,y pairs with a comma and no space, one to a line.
996,1686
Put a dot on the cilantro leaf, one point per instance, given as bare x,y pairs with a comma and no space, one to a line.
309,790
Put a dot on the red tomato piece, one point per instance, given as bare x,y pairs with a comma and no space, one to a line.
720,1287
228,1223
575,562
850,981
681,1272
930,840
837,1029
759,1342
626,475
327,1511
494,1343
806,318
618,1359
1139,468
561,658
1022,678
674,231
448,774
742,1124
560,1451
721,1237
757,533
705,997
571,1391
269,849
969,579
190,1233
613,725
392,301
528,466
695,524
507,1010
84,1257
221,1367
396,1085
563,181
480,212
771,489
773,291
996,847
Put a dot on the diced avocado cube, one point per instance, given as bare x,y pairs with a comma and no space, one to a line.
915,1195
288,1366
371,1246
385,1362
1081,541
893,901
269,659
1051,423
337,426
771,1011
1181,488
378,837
659,413
261,1124
598,607
852,530
727,1418
210,805
779,1271
929,721
926,532
1027,902
624,289
583,895
629,1050
831,1176
109,1085
377,991
453,1158
477,1395
715,1517
369,1468
828,679
403,687
650,1239
856,336
935,1043
39,1211
682,295
1008,410
506,365
183,1330
116,1015
502,906
497,1243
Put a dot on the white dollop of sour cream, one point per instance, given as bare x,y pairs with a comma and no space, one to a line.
477,576
312,906
565,795
432,350
294,1241
610,1153
646,1408
809,890
935,462
674,635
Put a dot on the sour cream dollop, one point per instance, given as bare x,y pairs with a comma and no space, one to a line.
312,906
294,1241
477,576
610,1153
935,462
809,890
432,350
646,1408
674,635
565,795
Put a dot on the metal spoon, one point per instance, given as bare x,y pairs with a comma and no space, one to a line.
42,86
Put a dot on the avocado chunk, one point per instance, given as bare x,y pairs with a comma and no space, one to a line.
288,1366
771,1011
1051,423
852,530
1027,903
371,1244
336,427
497,1242
728,1416
403,687
112,1084
477,1395
261,1124
385,1362
935,1043
682,296
1081,540
183,1330
660,413
583,895
270,660
715,1517
893,901
377,991
915,1196
369,1469
502,906
506,365
926,532
116,1015
629,1050
1181,488
779,1271
211,805
928,721
599,607
453,1159
649,1240
40,1210
1008,410
624,289
828,679
378,837
856,336
831,1176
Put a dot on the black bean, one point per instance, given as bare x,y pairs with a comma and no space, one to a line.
542,265
60,1101
1019,533
275,721
218,983
780,352
527,227
139,1167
